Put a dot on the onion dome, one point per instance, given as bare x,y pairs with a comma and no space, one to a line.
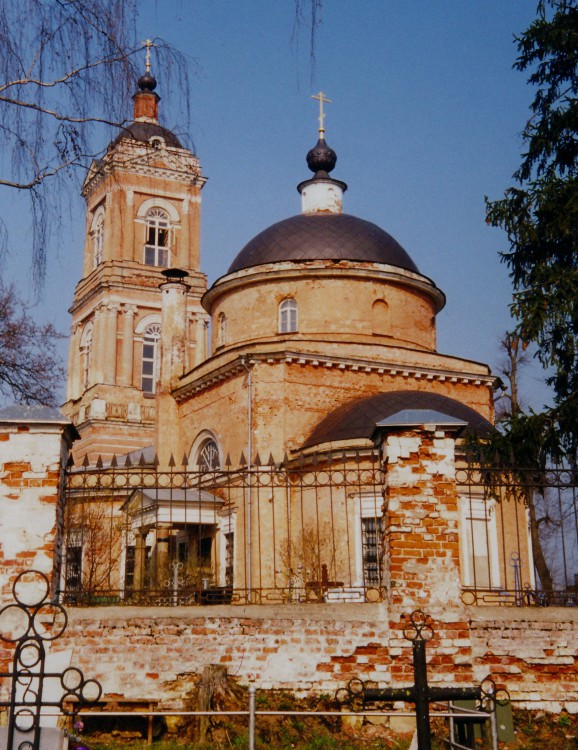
145,126
322,232
147,82
321,159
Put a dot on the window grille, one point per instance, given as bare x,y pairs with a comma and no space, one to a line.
208,458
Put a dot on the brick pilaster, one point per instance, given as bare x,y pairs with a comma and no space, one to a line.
421,529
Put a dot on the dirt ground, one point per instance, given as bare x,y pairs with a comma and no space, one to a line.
534,730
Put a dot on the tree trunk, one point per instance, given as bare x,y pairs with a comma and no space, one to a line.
540,563
214,679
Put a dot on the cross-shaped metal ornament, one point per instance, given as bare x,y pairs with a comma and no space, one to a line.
148,43
321,98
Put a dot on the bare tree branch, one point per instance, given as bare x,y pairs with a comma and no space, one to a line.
66,84
30,368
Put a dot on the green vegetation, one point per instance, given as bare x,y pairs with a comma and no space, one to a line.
540,216
535,730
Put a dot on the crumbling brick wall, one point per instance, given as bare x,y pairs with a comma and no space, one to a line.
154,654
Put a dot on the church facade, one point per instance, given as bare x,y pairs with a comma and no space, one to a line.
271,474
321,331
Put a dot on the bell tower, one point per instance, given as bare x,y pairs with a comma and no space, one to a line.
143,201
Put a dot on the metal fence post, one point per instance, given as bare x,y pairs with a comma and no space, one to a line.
494,727
421,696
252,692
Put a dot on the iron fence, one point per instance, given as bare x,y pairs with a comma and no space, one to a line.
519,535
301,531
266,533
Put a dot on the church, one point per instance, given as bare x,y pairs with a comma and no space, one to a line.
272,473
321,332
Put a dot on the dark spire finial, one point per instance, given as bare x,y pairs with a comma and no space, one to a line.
321,159
145,99
147,82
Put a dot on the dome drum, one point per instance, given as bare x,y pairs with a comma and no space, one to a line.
365,304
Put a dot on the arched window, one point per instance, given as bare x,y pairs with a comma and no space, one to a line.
86,355
158,233
222,330
208,457
97,234
150,357
288,316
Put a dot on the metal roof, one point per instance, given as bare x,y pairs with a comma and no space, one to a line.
358,418
32,413
168,495
144,131
418,417
323,237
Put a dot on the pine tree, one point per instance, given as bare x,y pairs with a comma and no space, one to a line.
540,212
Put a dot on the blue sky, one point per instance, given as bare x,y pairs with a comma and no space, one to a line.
425,118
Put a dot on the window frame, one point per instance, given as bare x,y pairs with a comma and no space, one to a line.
288,312
97,236
221,329
153,333
155,252
478,517
207,451
369,507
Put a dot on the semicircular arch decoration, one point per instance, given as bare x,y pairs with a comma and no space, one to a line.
208,458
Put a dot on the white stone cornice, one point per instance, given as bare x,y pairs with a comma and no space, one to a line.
341,363
284,270
189,174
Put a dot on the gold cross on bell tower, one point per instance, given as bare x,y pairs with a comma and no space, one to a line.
148,43
322,99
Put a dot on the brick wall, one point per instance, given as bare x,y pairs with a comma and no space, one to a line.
31,457
157,654
30,464
421,534
533,652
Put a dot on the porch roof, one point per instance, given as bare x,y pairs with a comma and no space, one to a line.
151,506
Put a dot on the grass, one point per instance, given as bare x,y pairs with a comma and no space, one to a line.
535,730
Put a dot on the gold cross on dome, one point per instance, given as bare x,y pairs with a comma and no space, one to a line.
148,43
321,98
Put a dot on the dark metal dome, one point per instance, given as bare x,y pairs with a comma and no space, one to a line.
321,159
147,82
144,131
357,418
323,237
